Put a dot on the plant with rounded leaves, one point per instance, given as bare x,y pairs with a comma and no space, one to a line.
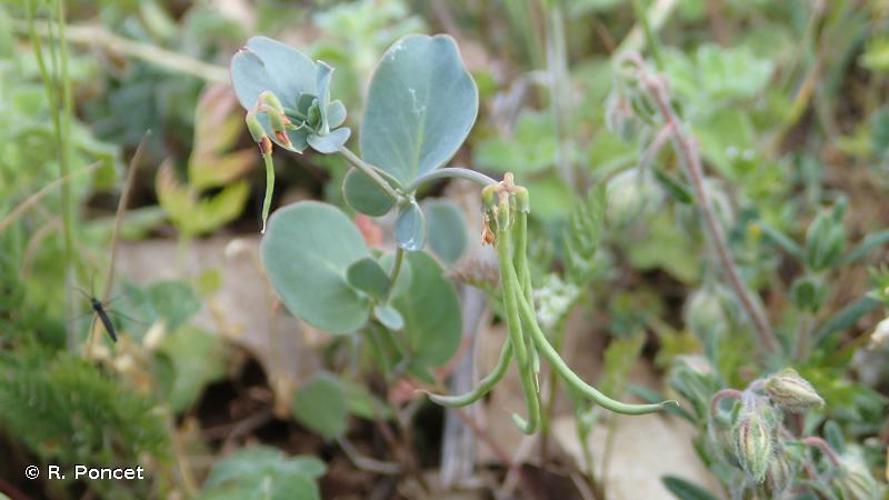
421,105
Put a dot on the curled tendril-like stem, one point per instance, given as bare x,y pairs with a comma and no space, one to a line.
507,206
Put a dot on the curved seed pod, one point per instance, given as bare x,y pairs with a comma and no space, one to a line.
484,386
557,363
512,297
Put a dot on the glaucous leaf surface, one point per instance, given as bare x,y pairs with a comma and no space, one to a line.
266,64
329,143
364,195
389,317
447,229
431,311
306,251
368,276
410,228
421,105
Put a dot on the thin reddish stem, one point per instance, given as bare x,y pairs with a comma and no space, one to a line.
688,154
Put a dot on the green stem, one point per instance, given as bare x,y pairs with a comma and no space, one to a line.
370,171
688,155
555,361
452,172
650,40
60,107
396,270
269,187
484,386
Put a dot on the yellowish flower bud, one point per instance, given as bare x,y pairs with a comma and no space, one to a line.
791,392
753,444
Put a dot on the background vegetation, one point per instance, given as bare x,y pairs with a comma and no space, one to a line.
126,171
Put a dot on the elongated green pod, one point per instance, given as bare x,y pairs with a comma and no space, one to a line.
552,356
269,185
512,297
484,386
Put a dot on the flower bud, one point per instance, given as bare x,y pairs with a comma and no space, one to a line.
855,481
781,472
791,392
752,435
271,102
279,126
704,314
632,194
255,127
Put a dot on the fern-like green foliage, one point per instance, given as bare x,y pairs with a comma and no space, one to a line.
583,235
66,411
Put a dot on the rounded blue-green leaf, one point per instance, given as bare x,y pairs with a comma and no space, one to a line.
389,317
329,143
266,64
410,227
306,251
336,114
421,105
368,276
446,229
364,195
431,312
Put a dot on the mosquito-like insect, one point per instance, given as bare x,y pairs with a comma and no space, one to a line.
101,310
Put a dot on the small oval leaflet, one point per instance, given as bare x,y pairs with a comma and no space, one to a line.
363,194
389,317
410,228
368,276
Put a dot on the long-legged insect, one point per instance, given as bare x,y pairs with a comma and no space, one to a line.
102,312
99,309
103,316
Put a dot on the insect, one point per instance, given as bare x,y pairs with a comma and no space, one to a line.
103,316
102,312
